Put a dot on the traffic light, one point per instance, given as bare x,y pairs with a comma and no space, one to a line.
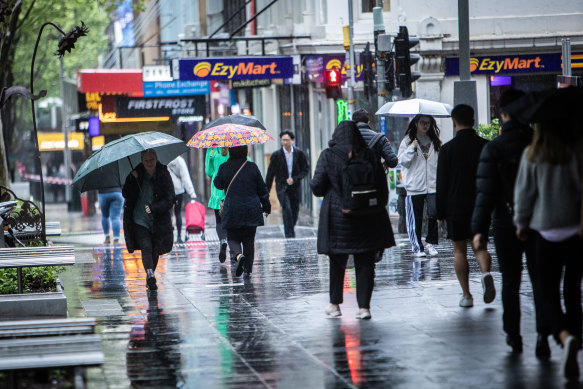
404,60
389,72
368,72
333,80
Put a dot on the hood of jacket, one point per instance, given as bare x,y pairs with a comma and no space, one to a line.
347,136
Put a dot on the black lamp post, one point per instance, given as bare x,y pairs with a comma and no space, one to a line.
66,43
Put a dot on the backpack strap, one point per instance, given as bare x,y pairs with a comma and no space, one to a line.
374,140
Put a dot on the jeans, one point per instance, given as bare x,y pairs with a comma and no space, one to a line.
364,266
111,205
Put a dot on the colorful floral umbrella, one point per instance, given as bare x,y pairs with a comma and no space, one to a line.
228,135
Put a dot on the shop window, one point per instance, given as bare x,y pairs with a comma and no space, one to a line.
368,5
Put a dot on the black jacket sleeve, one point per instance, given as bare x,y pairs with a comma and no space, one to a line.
387,152
442,184
487,185
262,192
271,170
220,179
164,189
303,166
320,182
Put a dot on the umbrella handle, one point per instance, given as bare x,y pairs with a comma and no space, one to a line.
132,166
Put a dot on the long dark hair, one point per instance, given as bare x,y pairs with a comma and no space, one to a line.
238,152
432,133
555,141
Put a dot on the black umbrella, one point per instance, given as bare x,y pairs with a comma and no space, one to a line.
246,120
547,105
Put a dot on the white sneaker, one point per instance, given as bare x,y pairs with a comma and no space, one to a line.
430,249
420,254
333,310
467,302
488,287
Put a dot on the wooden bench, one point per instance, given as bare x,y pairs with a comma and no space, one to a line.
19,257
52,343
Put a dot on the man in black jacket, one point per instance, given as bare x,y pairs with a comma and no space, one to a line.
288,166
496,176
456,192
381,145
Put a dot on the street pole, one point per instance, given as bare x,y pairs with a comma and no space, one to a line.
379,28
464,90
351,58
65,127
566,52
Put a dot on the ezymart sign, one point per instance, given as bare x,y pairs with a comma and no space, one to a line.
238,68
513,64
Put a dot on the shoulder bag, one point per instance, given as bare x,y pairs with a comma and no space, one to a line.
227,192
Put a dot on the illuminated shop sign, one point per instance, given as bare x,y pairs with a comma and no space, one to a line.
513,64
176,88
238,68
129,107
317,64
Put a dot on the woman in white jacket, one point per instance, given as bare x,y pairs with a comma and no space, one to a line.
418,158
182,184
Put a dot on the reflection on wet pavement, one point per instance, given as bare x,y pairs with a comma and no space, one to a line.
205,328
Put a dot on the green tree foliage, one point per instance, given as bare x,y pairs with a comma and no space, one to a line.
489,131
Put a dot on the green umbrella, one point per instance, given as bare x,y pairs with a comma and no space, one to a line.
109,166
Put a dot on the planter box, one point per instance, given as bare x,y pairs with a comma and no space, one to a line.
34,305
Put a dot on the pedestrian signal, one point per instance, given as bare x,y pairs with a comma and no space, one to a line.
333,81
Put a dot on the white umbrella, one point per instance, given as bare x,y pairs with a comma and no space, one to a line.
415,107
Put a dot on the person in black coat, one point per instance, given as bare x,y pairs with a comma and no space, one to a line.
456,192
287,179
340,235
496,176
147,219
246,200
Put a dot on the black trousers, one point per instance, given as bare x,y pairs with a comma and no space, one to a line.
220,231
178,213
364,266
242,241
144,239
290,209
550,260
509,251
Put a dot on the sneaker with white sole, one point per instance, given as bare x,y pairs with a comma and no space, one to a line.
363,314
467,302
488,287
430,249
333,310
419,254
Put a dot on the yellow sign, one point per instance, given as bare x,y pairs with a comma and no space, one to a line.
97,142
506,64
92,101
54,141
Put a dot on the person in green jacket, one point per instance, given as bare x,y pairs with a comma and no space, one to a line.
215,157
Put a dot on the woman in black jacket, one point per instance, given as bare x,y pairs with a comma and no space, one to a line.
147,221
340,235
246,199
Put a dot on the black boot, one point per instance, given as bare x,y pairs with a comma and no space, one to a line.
515,342
542,350
223,252
151,280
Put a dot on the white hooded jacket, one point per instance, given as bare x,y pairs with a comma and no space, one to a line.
417,173
180,177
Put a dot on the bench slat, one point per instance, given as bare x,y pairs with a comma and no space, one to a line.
23,328
37,256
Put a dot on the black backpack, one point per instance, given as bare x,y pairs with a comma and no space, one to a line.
359,190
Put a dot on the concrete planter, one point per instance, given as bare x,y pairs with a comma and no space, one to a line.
34,305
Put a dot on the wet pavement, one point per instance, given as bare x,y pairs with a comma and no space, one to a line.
205,328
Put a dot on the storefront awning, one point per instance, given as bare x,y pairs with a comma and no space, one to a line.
110,81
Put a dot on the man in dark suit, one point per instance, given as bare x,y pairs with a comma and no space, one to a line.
456,192
288,166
